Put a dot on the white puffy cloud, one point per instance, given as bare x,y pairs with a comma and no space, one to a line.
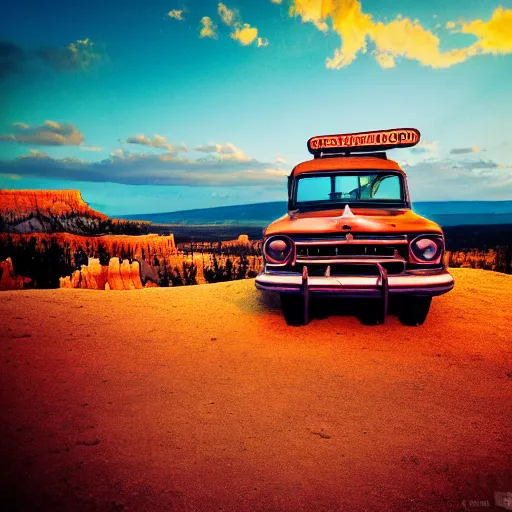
228,166
50,133
450,179
225,153
158,141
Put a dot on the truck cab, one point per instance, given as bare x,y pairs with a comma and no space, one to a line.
350,231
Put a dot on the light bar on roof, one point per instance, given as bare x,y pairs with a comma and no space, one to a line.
379,140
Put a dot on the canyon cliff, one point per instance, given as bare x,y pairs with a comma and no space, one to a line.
22,203
46,257
49,211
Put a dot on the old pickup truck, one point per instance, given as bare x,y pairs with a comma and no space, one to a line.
350,231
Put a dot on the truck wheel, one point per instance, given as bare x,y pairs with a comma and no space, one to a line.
372,312
292,306
414,310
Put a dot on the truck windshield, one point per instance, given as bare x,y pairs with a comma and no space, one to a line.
365,187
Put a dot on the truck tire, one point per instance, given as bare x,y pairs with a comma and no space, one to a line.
414,310
292,306
372,312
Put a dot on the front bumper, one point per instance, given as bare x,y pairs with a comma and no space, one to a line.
418,283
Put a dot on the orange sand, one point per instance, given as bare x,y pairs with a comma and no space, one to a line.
202,398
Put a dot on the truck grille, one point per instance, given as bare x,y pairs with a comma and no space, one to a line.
312,251
355,246
349,255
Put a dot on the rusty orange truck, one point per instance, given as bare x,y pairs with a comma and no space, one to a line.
350,232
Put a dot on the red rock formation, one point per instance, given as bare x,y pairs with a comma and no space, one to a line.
93,276
115,276
115,281
8,279
22,203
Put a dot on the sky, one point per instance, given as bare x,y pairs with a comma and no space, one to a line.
180,104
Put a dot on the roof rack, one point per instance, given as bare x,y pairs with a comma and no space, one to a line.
382,155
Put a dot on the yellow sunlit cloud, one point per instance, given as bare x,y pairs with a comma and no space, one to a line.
401,37
241,32
208,28
494,36
226,15
176,14
385,60
245,35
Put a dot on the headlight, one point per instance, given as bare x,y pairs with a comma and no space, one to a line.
427,248
278,249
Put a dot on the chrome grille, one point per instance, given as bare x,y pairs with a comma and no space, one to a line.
350,247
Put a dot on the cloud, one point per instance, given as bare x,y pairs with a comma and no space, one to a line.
217,148
78,55
227,16
477,164
12,59
176,14
208,28
136,169
401,37
50,133
385,60
225,153
425,148
458,179
494,36
91,148
464,151
450,25
276,1
156,142
241,32
245,35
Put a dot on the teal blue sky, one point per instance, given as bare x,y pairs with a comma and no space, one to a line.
143,112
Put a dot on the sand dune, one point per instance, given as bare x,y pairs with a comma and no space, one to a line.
202,398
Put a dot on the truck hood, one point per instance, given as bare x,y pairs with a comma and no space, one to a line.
360,220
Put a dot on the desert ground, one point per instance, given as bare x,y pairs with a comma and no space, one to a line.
201,398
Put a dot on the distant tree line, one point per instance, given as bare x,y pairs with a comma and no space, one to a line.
226,248
44,263
216,271
46,260
498,259
173,276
